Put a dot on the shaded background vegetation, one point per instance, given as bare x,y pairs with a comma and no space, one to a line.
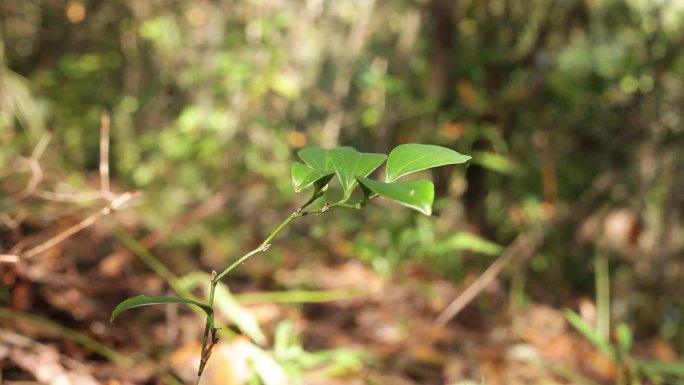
570,109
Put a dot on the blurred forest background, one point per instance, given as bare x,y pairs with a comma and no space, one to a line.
572,204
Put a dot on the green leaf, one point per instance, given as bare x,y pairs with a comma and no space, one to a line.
466,241
303,177
412,157
244,319
495,162
589,333
317,158
673,368
142,300
346,162
266,367
349,164
416,194
625,338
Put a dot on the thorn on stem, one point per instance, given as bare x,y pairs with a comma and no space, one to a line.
214,274
265,246
326,207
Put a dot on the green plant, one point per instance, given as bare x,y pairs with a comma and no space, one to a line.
295,360
632,370
320,166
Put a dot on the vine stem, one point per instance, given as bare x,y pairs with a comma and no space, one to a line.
209,337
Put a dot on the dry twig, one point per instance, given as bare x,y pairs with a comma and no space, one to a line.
115,204
115,201
33,163
523,245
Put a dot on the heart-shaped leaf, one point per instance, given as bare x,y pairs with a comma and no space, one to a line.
349,163
412,157
317,158
304,176
416,194
143,300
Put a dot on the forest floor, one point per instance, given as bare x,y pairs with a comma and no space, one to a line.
331,320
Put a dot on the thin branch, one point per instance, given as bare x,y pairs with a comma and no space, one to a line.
41,146
104,154
68,197
12,223
114,205
36,173
209,338
524,244
8,258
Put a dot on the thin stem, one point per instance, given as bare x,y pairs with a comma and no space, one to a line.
267,242
204,358
328,206
311,200
602,282
231,267
209,337
209,329
355,206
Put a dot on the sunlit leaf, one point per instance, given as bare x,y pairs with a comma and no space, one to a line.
303,177
244,319
317,158
266,367
346,162
416,194
283,338
143,300
412,157
349,164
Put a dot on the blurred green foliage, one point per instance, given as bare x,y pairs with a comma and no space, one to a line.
571,110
